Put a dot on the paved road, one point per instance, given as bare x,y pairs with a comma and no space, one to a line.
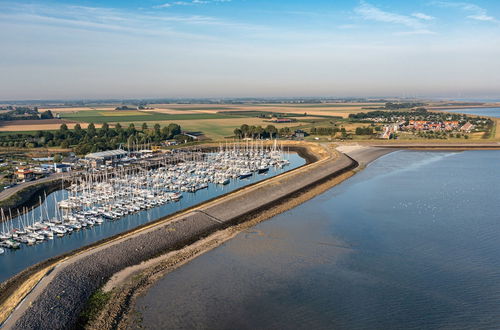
11,191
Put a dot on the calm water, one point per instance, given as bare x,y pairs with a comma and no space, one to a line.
487,112
14,261
412,242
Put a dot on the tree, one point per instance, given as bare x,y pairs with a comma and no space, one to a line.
343,132
174,129
245,130
258,131
144,126
63,128
131,129
91,132
285,131
238,133
156,128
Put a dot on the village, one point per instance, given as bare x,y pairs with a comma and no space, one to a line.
425,124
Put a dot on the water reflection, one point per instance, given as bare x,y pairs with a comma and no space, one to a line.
13,261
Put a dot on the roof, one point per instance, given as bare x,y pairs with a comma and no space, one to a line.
107,154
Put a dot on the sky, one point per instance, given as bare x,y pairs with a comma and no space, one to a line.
249,48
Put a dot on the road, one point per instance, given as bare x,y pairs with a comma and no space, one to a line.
5,194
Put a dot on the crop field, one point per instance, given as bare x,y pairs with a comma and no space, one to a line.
215,121
340,110
97,116
219,128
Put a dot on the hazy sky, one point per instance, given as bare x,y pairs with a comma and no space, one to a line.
231,48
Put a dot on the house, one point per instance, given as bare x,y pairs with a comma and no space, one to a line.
299,134
283,120
467,127
62,168
25,174
171,142
70,160
193,135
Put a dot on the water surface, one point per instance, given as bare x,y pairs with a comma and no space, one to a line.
412,242
486,112
13,261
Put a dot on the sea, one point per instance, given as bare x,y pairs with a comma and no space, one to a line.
411,242
486,112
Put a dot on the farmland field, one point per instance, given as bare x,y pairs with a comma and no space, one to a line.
215,121
219,128
96,116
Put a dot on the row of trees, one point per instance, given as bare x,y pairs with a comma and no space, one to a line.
418,114
19,113
364,130
256,132
441,135
405,105
94,139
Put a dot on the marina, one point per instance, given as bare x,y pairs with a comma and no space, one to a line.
100,204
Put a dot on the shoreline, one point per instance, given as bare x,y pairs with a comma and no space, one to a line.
203,239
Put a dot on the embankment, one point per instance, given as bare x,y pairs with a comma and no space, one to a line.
58,298
28,196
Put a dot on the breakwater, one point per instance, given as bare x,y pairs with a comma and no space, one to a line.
72,282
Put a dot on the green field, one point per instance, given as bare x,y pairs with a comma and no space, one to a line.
100,116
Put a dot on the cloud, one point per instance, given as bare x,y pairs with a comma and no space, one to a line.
347,26
116,20
370,12
475,12
414,32
189,3
423,16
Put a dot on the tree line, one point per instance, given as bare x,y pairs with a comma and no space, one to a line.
94,139
24,113
404,105
257,132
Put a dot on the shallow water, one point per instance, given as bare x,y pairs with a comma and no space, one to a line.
412,242
13,261
487,112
